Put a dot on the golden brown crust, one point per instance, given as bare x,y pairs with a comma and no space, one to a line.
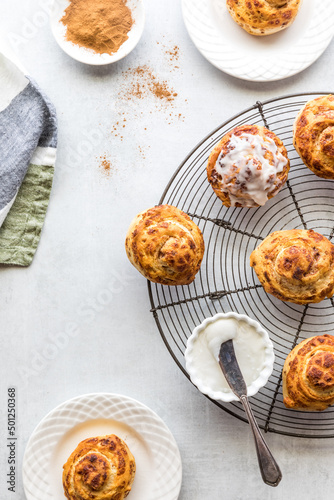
165,245
221,184
313,136
308,375
295,265
100,468
263,17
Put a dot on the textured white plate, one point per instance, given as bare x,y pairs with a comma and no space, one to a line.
158,462
88,56
230,48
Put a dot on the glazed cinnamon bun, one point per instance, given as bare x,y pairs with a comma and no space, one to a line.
248,166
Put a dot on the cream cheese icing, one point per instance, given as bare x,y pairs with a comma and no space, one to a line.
248,168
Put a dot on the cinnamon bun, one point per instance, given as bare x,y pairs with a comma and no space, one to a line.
313,136
100,468
308,375
296,265
165,245
263,17
248,166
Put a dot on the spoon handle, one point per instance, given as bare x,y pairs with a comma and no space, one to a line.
270,471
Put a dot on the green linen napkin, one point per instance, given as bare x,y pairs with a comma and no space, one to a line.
28,139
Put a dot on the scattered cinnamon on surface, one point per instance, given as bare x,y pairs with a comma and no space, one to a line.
142,152
118,127
145,82
105,164
139,84
173,53
100,25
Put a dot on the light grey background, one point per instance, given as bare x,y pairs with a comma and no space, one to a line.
81,255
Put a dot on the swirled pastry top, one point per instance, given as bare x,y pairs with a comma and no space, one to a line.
165,245
313,136
100,468
263,17
248,166
308,375
296,265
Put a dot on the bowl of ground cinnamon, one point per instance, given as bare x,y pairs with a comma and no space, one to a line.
97,32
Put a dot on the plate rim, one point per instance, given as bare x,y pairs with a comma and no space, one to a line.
92,396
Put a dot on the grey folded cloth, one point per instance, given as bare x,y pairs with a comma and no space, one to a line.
28,140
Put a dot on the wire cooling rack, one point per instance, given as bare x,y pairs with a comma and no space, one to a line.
226,282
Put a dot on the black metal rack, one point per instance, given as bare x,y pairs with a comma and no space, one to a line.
226,281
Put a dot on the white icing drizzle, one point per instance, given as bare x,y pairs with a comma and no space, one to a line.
244,169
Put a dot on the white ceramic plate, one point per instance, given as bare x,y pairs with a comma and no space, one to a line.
228,47
88,56
158,462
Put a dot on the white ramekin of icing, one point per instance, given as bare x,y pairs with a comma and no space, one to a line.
253,348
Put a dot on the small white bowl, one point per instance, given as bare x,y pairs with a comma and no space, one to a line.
227,395
88,56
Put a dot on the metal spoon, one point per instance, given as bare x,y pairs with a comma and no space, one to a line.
270,471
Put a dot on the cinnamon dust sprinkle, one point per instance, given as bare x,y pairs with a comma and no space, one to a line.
142,152
172,54
105,165
141,82
141,97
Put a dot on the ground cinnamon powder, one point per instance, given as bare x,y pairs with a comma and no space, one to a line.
100,25
105,165
145,82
